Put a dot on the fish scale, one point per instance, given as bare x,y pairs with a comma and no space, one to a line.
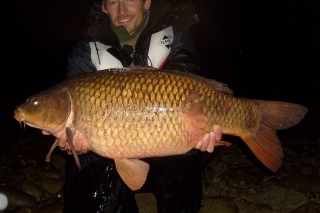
139,112
142,95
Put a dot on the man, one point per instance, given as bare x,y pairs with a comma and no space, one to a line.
137,36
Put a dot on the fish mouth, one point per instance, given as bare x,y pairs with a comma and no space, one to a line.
18,115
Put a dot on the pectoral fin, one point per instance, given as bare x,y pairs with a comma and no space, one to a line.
132,171
54,145
73,149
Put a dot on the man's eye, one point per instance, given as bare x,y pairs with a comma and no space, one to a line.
112,2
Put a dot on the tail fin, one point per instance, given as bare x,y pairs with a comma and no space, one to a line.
264,143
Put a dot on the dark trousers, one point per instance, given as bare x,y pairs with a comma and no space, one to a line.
175,181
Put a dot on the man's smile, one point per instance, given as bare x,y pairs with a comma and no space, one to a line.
124,20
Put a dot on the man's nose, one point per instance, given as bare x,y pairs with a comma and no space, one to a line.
122,9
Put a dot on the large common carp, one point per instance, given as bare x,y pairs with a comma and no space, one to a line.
139,112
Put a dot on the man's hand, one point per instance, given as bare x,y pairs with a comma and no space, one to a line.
80,145
209,141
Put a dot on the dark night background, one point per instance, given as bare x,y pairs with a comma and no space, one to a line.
261,49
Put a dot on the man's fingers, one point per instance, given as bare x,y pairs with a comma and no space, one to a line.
217,132
211,142
84,148
63,142
45,132
199,145
206,141
78,146
63,145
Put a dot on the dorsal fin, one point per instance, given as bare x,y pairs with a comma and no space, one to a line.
215,85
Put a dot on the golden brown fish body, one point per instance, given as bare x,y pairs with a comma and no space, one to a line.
141,112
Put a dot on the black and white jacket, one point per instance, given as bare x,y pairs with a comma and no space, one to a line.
165,43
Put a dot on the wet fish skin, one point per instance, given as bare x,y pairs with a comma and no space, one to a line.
140,112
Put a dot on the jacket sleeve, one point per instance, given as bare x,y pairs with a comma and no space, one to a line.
183,56
79,60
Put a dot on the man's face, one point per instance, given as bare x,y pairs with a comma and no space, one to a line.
128,13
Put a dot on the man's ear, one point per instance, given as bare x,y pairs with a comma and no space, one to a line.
103,7
147,4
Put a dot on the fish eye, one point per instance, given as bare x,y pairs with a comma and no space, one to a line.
35,103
